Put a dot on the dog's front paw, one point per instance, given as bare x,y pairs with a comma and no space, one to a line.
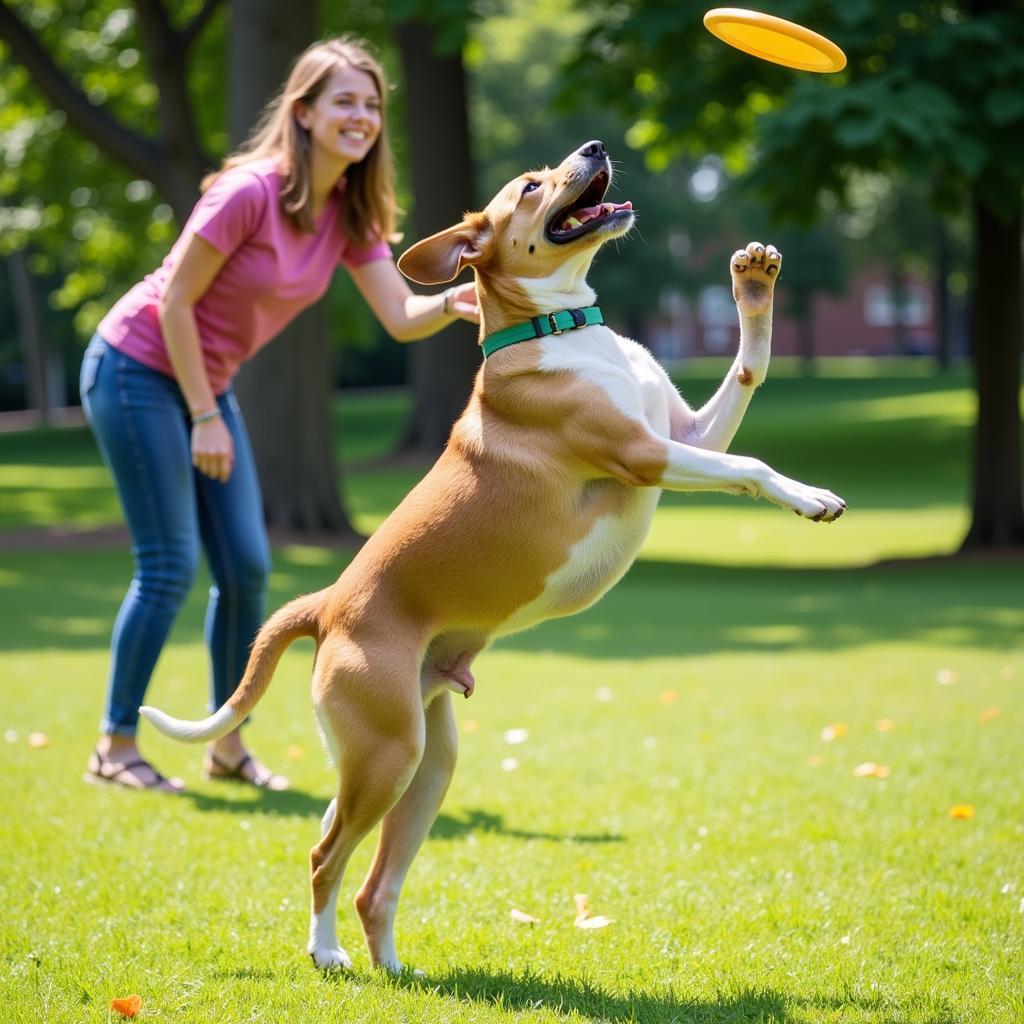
754,270
818,504
330,958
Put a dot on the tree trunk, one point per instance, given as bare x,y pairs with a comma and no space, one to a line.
31,336
805,336
997,514
441,368
943,340
898,298
285,391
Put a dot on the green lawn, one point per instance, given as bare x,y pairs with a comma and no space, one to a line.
674,768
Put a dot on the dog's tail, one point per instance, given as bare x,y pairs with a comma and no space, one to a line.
297,618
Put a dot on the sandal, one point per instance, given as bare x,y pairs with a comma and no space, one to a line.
263,779
115,773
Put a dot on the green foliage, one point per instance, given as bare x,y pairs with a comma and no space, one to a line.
92,226
929,89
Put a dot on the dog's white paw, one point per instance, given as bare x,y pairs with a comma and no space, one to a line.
330,958
819,505
395,967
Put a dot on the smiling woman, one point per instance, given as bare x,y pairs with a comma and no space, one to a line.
311,189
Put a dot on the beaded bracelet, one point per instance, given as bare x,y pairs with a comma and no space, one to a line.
205,417
446,306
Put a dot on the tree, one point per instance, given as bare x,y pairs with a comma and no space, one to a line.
430,40
932,90
97,84
285,390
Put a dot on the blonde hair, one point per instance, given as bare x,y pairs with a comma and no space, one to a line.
370,207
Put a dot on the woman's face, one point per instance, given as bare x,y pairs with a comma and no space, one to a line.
344,121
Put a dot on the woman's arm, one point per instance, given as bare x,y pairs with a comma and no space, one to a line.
405,315
212,449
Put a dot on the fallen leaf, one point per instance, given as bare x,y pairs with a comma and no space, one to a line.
582,905
870,770
815,759
600,921
516,736
38,739
884,725
583,918
961,811
470,725
523,918
128,1006
295,753
989,713
833,731
668,696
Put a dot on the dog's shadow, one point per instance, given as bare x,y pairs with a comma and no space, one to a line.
294,803
477,820
577,998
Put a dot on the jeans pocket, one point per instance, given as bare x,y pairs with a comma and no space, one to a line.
91,365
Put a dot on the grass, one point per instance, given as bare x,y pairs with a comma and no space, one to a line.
674,768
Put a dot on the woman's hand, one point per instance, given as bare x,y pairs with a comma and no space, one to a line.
213,451
463,302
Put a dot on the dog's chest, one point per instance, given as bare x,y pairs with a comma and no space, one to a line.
596,562
620,370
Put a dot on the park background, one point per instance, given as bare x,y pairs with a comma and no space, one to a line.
693,742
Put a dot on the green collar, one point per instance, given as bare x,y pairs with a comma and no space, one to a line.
539,326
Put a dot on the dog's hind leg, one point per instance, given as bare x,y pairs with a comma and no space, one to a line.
373,720
402,833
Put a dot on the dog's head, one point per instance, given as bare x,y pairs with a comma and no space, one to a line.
533,228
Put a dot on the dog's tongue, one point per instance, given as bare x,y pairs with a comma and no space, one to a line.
602,209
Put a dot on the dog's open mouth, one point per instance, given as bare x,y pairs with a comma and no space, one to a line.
586,212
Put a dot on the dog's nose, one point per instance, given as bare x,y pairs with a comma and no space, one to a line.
594,148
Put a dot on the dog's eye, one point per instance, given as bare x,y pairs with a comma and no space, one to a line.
530,186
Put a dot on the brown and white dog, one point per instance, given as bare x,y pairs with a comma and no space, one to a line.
538,505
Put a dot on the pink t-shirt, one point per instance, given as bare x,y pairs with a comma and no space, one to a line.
272,273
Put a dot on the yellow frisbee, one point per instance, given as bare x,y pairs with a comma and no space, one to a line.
775,39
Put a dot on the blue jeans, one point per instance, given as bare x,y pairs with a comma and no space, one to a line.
141,424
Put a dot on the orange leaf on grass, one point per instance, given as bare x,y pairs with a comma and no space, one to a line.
38,739
668,696
833,731
870,770
884,725
989,713
961,812
128,1006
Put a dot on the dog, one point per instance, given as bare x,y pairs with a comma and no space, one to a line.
537,506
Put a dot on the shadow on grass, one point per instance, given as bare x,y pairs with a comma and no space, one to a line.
292,803
660,609
481,821
578,998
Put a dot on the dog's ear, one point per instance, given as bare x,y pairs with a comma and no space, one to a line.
442,257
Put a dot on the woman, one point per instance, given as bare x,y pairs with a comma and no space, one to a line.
312,188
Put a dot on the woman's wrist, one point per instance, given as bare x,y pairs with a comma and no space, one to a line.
200,418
